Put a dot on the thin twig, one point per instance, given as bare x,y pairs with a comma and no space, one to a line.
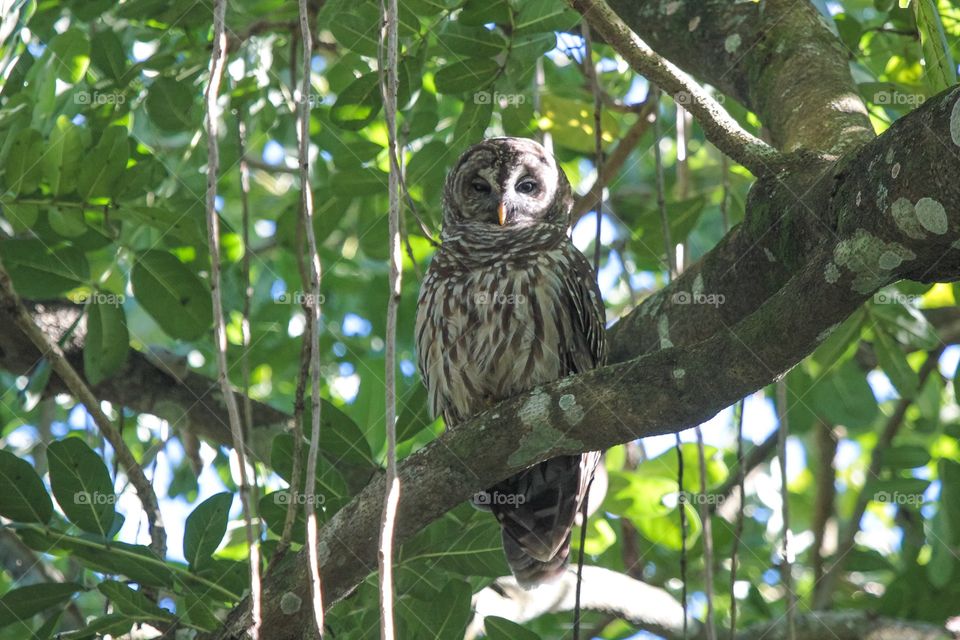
218,58
591,72
826,493
614,162
786,571
584,514
273,168
303,373
738,529
707,533
389,79
12,305
718,126
313,302
661,194
246,331
683,533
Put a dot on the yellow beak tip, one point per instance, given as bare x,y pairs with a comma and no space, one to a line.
501,212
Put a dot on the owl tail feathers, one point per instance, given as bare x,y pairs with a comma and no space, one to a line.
530,571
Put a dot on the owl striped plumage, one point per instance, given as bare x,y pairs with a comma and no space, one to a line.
507,304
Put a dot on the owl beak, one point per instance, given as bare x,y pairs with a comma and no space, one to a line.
502,213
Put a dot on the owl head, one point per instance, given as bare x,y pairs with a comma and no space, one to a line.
507,182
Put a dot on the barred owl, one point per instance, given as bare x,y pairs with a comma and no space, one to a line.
507,304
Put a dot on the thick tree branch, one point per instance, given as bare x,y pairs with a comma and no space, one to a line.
642,605
846,625
718,126
863,247
148,383
777,57
654,610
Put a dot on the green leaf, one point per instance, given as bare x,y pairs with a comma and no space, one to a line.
184,227
636,497
340,437
471,42
444,617
131,601
131,563
905,323
939,68
68,222
667,465
82,485
107,54
647,240
19,605
894,363
502,629
837,345
359,31
907,491
665,530
844,397
473,119
21,216
137,562
61,162
112,624
477,551
468,76
476,13
70,53
41,271
169,103
363,181
572,123
544,15
23,497
104,165
108,341
24,168
905,457
172,294
205,528
329,483
358,104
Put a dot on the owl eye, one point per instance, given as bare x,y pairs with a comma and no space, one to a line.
526,187
480,186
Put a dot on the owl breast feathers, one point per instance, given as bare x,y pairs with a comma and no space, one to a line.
507,304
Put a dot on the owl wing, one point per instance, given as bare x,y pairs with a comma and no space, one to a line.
430,332
543,500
